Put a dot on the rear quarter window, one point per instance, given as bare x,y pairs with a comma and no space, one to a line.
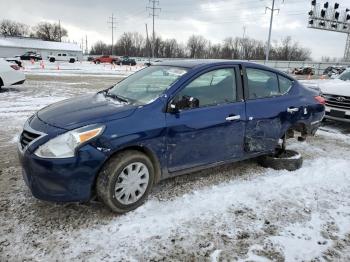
285,84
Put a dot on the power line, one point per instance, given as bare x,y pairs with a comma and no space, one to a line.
112,20
153,10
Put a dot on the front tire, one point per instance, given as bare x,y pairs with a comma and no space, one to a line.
125,181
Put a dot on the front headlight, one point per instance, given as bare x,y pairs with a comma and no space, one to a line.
64,145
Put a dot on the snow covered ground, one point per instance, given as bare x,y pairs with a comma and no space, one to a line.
78,68
238,212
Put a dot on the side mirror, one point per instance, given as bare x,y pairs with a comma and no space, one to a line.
186,102
172,108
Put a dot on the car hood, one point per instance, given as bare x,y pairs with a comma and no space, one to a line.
84,110
335,87
332,87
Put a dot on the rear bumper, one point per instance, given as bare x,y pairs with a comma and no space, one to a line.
19,82
13,77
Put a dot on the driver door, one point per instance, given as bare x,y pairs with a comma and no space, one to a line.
207,122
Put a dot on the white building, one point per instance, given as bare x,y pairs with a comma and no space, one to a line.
13,46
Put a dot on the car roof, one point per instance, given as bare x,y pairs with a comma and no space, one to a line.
192,63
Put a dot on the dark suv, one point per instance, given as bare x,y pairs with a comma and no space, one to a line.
125,60
165,120
31,56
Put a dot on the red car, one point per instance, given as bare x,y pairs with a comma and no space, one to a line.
106,59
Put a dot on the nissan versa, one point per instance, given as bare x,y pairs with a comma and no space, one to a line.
167,119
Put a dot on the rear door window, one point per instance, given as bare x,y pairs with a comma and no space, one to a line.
262,83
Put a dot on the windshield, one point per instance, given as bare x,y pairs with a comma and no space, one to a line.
146,85
345,76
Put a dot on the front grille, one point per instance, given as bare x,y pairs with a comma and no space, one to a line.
337,101
27,137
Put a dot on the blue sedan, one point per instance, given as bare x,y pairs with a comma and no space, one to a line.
165,120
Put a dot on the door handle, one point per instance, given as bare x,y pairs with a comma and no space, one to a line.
292,109
232,118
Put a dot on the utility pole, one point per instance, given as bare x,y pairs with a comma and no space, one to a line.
112,21
272,9
148,45
243,40
153,9
86,45
60,33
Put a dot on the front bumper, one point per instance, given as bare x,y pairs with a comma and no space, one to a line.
59,180
62,180
342,115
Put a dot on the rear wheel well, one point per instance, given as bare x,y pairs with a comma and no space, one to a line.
298,127
1,82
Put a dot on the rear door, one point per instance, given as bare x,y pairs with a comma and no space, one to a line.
214,130
270,108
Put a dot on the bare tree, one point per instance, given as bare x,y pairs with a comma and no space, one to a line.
100,48
230,49
50,31
12,28
196,46
170,48
134,44
286,49
138,42
124,44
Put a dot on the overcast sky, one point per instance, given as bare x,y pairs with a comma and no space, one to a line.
214,19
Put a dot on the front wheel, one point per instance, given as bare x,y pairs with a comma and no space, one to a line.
125,181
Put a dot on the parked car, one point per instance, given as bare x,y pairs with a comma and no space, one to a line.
63,57
14,60
337,95
125,60
106,59
165,120
30,55
305,70
333,71
10,74
149,63
90,58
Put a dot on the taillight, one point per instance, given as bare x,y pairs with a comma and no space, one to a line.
320,100
16,67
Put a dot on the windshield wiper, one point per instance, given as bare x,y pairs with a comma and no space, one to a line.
120,98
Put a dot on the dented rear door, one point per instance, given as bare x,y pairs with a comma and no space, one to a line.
269,110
